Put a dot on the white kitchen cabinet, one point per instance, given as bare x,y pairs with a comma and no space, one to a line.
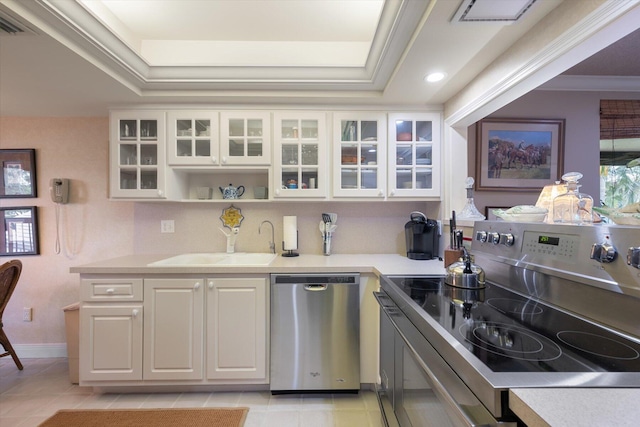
245,138
414,164
193,138
111,327
359,155
137,151
237,329
300,155
173,329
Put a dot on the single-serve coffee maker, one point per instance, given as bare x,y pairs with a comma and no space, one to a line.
422,237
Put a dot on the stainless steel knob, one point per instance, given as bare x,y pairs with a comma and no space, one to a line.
633,257
507,239
494,237
481,236
603,252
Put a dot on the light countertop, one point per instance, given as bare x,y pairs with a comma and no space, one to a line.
387,264
571,407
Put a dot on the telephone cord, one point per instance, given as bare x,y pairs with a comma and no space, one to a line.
57,228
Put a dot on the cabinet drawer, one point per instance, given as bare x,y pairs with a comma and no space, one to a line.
111,289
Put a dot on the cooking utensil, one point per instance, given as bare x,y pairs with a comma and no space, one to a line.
465,274
334,218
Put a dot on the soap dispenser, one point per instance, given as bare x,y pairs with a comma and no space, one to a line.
573,207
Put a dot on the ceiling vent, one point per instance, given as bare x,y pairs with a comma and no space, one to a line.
12,26
503,12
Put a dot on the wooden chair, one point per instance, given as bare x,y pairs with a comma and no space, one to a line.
9,275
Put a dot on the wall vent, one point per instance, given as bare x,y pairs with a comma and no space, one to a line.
503,12
12,26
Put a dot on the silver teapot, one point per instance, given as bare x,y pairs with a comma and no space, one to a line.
465,274
232,192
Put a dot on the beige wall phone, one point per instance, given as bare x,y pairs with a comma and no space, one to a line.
59,188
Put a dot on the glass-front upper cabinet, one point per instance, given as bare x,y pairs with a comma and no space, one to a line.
359,154
300,154
137,146
414,155
192,138
245,138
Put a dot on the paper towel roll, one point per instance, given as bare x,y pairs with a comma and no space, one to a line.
290,233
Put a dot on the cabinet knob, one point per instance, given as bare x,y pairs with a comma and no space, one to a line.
214,159
224,160
210,284
196,286
134,312
393,192
160,193
381,192
278,192
111,291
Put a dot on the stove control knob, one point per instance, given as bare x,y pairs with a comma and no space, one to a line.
494,237
633,257
603,252
507,239
481,236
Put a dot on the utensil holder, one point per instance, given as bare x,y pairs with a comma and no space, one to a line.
326,244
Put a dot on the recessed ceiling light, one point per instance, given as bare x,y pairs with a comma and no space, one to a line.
434,77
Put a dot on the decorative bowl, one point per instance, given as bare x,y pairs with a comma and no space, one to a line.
522,213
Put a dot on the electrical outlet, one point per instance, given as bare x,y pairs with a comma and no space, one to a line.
27,314
167,226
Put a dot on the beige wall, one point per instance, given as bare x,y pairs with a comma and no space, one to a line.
93,227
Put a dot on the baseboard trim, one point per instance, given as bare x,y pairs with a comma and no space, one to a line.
40,351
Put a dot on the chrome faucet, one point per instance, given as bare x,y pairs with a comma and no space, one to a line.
272,245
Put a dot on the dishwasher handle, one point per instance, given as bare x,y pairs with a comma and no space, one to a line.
316,287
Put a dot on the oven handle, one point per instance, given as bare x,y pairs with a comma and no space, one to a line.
439,388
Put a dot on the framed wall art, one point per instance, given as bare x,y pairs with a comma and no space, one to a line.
18,177
19,231
519,154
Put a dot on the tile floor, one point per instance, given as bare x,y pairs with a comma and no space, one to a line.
30,396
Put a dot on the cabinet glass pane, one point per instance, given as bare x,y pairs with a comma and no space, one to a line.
369,178
349,154
309,154
423,154
236,147
289,129
404,155
290,154
290,179
403,178
309,129
149,129
128,129
369,153
255,148
236,127
349,178
309,178
128,154
423,178
149,179
128,179
203,148
369,130
254,127
183,147
203,127
424,131
148,154
349,130
183,128
404,130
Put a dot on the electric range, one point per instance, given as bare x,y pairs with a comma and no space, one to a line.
559,310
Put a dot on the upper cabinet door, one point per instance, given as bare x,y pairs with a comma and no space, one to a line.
414,155
192,138
359,155
300,155
245,138
137,147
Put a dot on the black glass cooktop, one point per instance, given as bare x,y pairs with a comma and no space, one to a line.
511,333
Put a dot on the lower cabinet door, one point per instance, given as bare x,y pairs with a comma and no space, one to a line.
111,343
237,329
173,329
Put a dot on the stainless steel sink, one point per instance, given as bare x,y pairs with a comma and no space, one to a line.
219,259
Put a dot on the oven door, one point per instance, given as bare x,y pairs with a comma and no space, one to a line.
426,391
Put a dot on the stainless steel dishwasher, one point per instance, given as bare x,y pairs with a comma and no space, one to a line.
315,333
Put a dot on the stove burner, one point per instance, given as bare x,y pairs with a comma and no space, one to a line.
598,345
514,306
510,341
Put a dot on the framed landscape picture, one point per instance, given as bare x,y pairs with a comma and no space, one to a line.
519,154
18,177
